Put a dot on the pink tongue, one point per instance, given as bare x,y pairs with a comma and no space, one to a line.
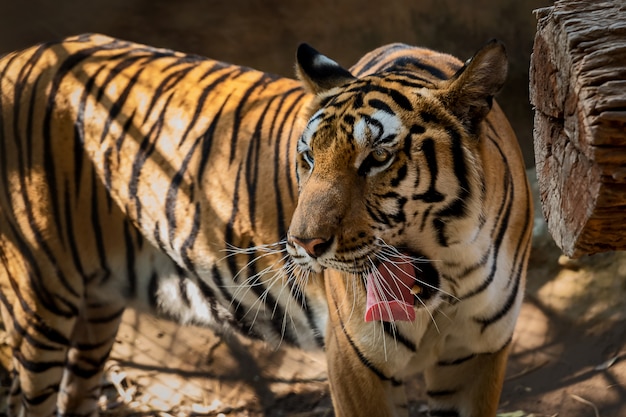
389,295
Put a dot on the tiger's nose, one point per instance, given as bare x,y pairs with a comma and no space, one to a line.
315,246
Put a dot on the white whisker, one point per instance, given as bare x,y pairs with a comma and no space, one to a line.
377,282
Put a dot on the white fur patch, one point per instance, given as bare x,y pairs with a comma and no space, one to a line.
324,61
309,130
391,124
388,126
360,132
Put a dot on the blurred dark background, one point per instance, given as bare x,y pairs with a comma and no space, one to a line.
264,33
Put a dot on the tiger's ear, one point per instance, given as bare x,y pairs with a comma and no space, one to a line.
319,73
469,93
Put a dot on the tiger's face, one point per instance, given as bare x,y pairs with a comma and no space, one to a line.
355,171
388,175
365,187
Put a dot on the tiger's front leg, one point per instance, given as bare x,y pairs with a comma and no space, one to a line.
468,386
355,389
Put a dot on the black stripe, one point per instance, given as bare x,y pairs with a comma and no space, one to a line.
252,164
457,207
165,85
367,87
441,393
109,318
237,114
29,127
49,115
97,365
116,106
289,114
229,233
146,148
98,237
79,131
207,292
510,301
408,78
20,82
41,398
444,413
208,135
108,155
431,195
400,99
496,245
153,288
526,229
379,58
182,289
44,296
358,352
417,63
503,213
172,192
401,174
458,361
207,140
376,215
235,305
4,179
199,103
36,282
71,236
38,327
191,239
425,216
362,357
131,276
139,239
36,367
380,105
394,333
474,267
26,200
231,261
286,113
375,59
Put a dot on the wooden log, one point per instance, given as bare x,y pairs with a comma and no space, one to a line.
578,90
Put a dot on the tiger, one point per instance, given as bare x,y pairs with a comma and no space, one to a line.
380,213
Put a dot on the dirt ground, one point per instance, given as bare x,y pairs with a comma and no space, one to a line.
570,345
568,356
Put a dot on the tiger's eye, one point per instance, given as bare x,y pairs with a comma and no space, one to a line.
381,155
376,160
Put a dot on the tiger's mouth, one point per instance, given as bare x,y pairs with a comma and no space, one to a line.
397,285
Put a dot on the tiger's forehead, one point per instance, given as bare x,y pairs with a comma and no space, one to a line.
379,128
376,128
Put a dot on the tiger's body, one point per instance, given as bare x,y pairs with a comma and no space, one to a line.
197,188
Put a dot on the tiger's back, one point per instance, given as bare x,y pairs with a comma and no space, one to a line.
134,173
129,172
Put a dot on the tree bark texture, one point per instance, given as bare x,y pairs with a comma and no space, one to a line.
578,90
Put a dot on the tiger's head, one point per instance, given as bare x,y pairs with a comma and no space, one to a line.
389,168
